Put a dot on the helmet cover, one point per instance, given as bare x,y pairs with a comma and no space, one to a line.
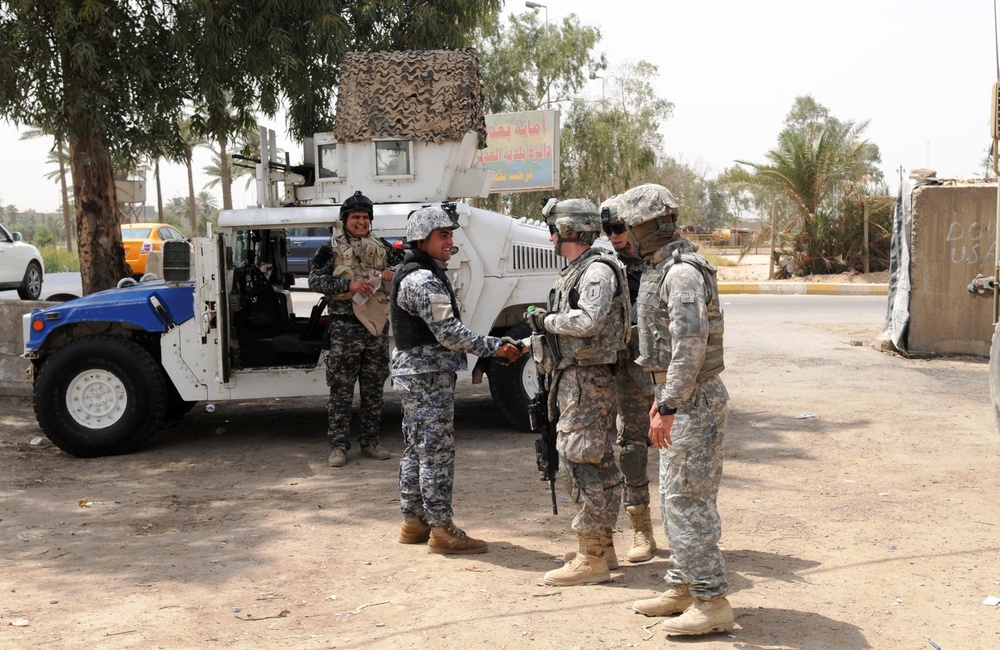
425,220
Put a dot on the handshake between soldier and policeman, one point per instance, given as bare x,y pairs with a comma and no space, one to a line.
643,330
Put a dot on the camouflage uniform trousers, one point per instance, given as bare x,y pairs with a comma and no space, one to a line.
635,396
355,356
690,474
585,396
427,468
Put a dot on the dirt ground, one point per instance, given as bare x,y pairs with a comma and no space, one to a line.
858,504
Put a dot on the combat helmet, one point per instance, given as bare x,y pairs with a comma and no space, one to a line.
573,216
421,222
357,201
609,214
650,211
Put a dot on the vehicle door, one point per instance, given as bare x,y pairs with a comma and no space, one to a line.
12,263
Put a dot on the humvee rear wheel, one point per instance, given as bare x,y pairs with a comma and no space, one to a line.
514,385
99,396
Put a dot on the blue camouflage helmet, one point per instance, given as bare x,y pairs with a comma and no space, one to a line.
420,223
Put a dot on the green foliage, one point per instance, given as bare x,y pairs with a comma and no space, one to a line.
819,167
58,260
527,65
610,146
43,237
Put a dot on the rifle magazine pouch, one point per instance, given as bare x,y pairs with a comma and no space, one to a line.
545,362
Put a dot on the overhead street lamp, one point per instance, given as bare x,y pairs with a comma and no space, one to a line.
536,6
603,83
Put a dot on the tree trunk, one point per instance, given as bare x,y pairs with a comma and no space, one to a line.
99,237
192,204
65,194
159,191
225,174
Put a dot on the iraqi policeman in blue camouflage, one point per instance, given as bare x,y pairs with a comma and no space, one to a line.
354,263
635,390
680,329
586,326
431,345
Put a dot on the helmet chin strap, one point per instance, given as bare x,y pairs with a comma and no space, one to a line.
560,240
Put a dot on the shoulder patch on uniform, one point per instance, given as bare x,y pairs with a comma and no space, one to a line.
440,307
592,291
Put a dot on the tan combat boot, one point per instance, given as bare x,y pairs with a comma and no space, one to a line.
675,599
414,531
607,545
450,539
587,567
702,617
643,543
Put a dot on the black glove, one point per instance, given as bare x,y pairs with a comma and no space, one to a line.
517,344
535,318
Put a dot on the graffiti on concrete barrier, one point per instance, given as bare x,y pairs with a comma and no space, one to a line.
974,244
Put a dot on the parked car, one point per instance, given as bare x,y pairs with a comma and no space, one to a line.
21,266
302,246
140,239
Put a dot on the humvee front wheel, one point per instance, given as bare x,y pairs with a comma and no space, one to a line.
100,396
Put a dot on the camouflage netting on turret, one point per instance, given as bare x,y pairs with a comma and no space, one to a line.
429,95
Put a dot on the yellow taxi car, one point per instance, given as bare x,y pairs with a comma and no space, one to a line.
141,239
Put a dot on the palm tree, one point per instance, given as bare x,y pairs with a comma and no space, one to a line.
223,166
815,169
61,160
191,140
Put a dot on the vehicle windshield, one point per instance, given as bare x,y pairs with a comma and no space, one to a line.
135,233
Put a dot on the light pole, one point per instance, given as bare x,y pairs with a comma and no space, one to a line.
603,83
536,6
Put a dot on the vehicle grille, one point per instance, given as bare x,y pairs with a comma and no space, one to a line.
525,257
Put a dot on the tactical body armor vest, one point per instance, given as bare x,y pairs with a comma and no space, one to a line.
356,259
603,347
654,319
408,330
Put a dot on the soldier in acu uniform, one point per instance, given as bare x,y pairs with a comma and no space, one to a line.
586,325
431,345
354,264
680,329
634,394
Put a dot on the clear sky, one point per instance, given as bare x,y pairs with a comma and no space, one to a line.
920,71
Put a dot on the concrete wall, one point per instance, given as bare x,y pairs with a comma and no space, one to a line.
953,239
13,369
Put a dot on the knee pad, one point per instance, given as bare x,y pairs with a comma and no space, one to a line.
633,462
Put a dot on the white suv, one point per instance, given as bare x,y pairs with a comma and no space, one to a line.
21,266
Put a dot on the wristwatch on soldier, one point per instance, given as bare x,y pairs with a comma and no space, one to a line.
664,410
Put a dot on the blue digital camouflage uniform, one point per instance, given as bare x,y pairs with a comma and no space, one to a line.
355,355
675,311
424,378
585,394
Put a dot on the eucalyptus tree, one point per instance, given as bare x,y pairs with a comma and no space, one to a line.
111,78
525,65
611,145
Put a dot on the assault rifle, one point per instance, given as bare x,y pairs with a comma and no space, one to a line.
546,455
